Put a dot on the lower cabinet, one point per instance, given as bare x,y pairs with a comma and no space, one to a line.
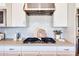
12,50
1,53
30,53
38,50
14,53
1,50
47,53
39,53
65,51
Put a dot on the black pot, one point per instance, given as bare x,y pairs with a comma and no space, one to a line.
31,40
47,40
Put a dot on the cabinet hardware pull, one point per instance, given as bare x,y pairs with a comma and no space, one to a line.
66,49
19,55
11,49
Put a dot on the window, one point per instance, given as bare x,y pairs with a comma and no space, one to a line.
1,16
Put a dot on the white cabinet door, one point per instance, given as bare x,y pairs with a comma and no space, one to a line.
9,14
60,15
65,50
2,5
18,15
77,5
47,53
12,50
30,53
7,53
3,10
1,50
38,50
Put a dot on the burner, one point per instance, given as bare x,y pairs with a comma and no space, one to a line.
39,40
47,40
31,40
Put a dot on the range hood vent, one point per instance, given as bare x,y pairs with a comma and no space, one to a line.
39,8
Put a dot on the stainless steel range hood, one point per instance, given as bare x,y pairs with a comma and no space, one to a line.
39,8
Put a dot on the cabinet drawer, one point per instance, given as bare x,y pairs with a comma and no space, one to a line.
38,48
1,48
65,49
30,53
1,53
12,53
12,48
50,53
65,53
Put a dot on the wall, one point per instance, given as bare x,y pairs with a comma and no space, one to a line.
70,31
45,22
35,22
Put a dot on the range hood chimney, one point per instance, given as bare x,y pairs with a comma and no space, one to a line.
39,8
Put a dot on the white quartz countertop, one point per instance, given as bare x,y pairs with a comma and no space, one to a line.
12,42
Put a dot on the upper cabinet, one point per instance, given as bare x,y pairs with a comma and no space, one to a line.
77,5
9,15
2,5
12,15
2,14
18,15
60,15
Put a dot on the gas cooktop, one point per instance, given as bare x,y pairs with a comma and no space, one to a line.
39,40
